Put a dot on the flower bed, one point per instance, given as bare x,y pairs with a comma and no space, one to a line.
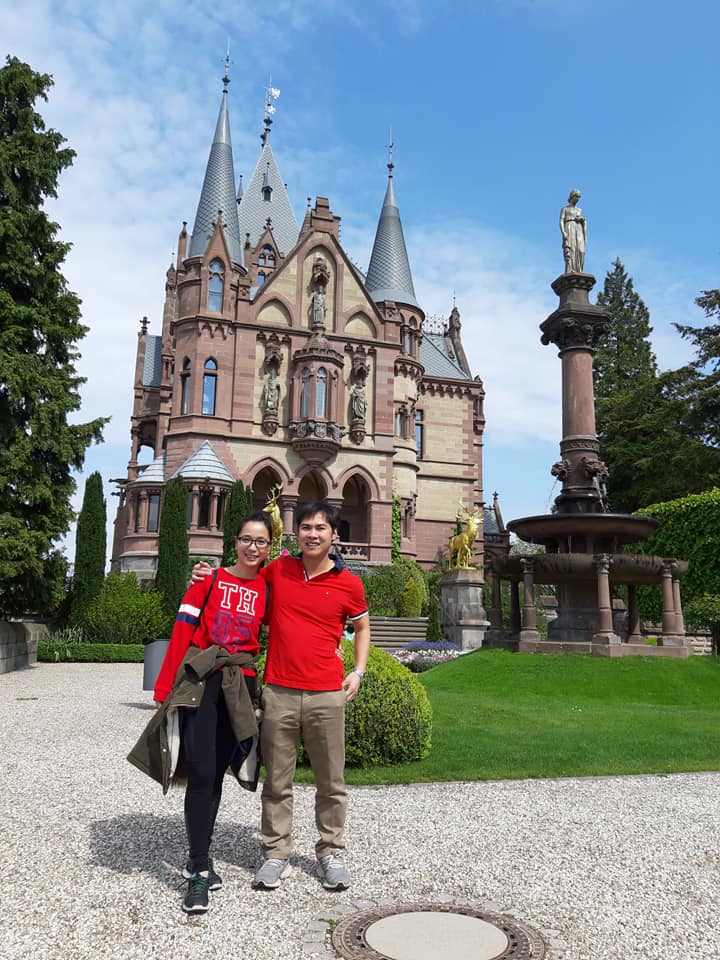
420,655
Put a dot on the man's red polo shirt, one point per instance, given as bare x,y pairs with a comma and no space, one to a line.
307,619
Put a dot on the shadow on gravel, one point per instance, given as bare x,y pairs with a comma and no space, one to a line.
157,846
139,706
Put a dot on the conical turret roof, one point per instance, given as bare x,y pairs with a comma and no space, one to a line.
388,276
265,197
218,192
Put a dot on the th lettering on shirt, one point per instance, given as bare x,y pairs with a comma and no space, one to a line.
232,624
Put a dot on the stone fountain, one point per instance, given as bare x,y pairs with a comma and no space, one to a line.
584,542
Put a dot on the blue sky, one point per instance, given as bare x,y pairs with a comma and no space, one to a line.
498,108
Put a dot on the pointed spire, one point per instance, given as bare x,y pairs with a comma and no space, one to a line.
218,190
266,196
389,276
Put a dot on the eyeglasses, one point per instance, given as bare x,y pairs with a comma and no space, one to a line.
260,542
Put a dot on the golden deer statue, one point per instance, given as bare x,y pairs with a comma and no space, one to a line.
273,511
460,546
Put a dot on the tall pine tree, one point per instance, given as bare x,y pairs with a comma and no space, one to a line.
644,418
701,380
39,331
239,505
90,549
173,552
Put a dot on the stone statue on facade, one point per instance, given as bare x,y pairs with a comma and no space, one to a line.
573,230
319,309
270,398
358,402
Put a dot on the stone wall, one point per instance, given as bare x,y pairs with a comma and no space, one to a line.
18,644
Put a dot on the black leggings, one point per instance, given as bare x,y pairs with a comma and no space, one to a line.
208,744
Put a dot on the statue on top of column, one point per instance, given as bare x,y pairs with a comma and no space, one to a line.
574,233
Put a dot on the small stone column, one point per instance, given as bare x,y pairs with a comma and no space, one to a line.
669,620
677,603
528,632
463,615
634,633
606,632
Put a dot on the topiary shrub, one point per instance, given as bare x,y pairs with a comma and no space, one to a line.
382,590
123,613
390,720
409,604
705,612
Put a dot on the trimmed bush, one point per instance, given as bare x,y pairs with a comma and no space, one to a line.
705,612
173,552
239,505
409,604
384,589
90,549
390,720
57,651
123,613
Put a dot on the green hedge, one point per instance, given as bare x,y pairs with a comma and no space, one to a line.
123,613
689,530
53,651
385,587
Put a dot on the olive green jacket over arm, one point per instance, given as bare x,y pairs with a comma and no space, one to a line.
153,753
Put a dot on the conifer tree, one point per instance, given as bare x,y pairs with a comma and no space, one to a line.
90,549
239,505
171,577
40,328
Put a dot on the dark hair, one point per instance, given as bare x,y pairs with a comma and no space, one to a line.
305,510
257,517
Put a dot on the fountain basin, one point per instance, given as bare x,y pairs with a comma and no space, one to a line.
574,567
583,532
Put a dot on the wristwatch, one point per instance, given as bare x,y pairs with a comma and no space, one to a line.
360,673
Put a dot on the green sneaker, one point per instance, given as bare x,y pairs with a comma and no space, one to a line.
215,880
196,898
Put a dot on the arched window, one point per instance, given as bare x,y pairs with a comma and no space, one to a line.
209,387
305,394
185,386
321,393
407,342
267,256
216,284
261,279
419,431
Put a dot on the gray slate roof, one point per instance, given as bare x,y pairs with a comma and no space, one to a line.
388,276
490,524
253,211
153,473
204,463
152,367
218,193
437,363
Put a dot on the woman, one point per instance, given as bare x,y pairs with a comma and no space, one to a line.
572,228
224,622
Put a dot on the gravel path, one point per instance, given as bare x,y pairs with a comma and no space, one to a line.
618,867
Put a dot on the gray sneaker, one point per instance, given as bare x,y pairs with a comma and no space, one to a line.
270,873
333,872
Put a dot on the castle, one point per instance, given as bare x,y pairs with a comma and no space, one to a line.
280,362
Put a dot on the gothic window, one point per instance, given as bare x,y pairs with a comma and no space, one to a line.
321,393
204,510
261,279
267,193
215,286
153,519
185,386
209,385
267,257
407,341
419,427
305,394
398,424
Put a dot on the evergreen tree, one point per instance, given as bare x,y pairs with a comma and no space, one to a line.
646,422
239,505
625,353
39,331
90,549
701,380
173,553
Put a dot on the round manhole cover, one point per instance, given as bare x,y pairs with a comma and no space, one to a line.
426,931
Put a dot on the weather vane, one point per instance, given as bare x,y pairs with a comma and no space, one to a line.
271,93
390,153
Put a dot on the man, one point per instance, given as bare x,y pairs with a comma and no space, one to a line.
312,598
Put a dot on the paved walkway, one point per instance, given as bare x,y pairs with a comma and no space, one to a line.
611,868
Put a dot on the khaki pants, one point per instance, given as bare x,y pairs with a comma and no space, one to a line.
320,717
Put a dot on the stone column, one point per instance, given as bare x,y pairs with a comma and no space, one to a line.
287,510
212,519
634,634
677,603
141,525
529,632
195,506
463,615
669,620
606,632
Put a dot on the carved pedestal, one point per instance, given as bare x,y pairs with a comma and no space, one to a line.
463,615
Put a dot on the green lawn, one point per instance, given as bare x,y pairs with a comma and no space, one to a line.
500,715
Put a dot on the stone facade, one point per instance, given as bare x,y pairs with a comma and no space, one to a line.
290,370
